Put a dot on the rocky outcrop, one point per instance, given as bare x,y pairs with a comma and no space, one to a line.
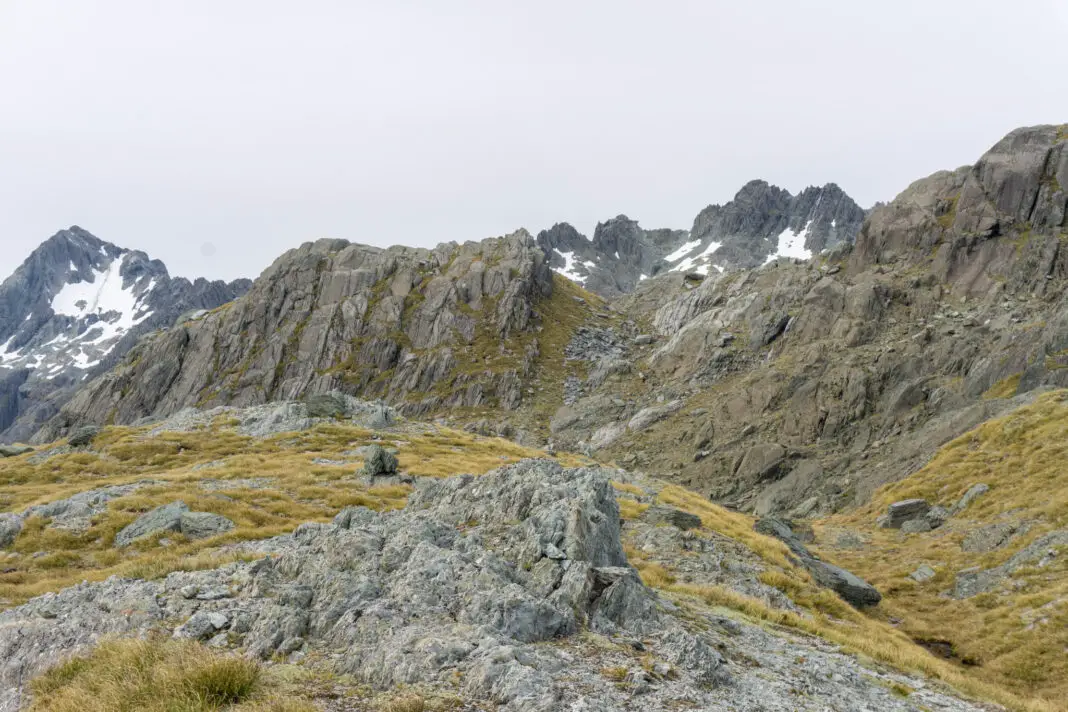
511,590
992,227
72,310
429,329
1040,553
378,462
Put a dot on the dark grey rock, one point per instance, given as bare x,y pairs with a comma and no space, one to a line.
660,514
14,450
378,462
200,525
900,512
10,527
853,589
83,436
167,518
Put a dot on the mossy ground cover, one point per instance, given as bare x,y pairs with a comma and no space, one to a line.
1017,636
265,486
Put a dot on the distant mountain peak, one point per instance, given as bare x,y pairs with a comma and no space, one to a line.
761,224
77,303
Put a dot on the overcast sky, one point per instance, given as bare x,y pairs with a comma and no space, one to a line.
215,134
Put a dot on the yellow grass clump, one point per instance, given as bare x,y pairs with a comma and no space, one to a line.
158,675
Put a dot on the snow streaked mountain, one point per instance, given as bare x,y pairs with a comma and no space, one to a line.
762,224
74,307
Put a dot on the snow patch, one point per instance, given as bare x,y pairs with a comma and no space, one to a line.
684,250
6,357
698,263
791,244
568,270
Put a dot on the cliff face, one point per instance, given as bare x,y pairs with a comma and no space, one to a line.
72,310
451,327
996,226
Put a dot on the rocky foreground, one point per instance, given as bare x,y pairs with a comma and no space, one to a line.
511,590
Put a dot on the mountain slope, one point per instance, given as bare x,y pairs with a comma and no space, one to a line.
814,384
72,309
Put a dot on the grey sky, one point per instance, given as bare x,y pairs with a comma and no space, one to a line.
254,125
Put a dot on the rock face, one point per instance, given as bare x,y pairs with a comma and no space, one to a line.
449,327
480,586
761,223
72,310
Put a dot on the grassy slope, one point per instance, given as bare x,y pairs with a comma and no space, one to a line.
825,614
298,490
1016,638
301,490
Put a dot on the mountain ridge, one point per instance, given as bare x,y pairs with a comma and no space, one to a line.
762,223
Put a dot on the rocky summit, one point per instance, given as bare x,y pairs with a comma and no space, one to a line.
72,310
802,455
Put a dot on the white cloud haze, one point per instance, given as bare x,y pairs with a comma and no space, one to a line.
215,135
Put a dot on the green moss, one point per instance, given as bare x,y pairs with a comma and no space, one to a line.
1005,388
949,216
